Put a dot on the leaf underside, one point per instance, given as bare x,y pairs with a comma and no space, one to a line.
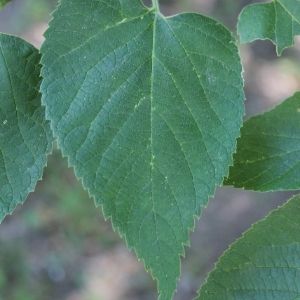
148,110
264,264
25,136
268,152
278,21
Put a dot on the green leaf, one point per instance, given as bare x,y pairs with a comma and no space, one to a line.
268,152
148,110
278,21
3,2
25,136
264,264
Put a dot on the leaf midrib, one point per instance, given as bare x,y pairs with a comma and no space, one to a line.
151,117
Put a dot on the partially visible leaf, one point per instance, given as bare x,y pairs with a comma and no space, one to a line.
3,2
25,137
278,21
268,152
264,264
148,110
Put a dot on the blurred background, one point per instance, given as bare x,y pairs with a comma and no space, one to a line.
58,246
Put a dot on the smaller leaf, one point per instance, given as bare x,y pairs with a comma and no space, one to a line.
3,3
264,264
268,152
25,136
278,21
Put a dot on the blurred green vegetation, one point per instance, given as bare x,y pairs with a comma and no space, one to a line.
41,244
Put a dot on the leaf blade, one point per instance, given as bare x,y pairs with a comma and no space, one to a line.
25,137
131,125
267,157
277,21
263,264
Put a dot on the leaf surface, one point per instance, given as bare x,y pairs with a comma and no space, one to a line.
25,136
264,264
278,21
268,152
148,110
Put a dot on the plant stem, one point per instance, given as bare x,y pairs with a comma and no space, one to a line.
155,5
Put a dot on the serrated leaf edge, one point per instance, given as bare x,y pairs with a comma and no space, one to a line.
245,233
49,150
197,216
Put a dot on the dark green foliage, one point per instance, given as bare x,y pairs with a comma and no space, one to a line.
147,109
264,264
149,148
268,153
3,2
278,21
25,136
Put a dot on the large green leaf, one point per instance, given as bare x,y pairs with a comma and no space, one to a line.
268,152
278,21
264,264
148,110
25,136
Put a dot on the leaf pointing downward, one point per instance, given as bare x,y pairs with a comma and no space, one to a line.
147,109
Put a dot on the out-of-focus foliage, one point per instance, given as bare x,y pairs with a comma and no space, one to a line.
3,2
39,253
